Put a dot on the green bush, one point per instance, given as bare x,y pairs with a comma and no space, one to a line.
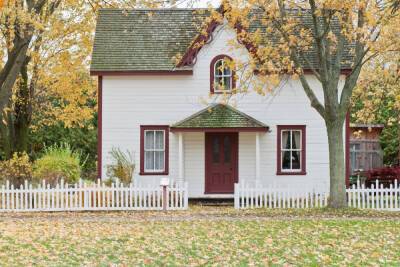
58,162
82,139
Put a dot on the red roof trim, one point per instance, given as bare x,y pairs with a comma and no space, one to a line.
99,126
189,58
142,73
221,129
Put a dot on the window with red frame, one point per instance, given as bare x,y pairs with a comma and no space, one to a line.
222,77
154,150
291,150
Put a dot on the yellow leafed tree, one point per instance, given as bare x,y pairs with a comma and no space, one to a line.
326,29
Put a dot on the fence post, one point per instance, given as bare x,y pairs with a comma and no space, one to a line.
186,195
236,192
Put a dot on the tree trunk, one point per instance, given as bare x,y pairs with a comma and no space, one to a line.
22,109
337,169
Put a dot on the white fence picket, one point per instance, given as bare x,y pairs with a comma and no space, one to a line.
80,197
250,195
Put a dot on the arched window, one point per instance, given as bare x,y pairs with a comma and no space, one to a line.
221,75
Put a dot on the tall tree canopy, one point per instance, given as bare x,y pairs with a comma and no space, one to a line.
44,77
323,28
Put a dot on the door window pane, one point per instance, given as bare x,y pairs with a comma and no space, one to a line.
215,149
227,149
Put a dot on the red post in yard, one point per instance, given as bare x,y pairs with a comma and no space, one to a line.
164,182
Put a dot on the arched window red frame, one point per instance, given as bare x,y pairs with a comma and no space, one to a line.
212,73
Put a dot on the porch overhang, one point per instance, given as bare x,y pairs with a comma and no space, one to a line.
219,118
222,129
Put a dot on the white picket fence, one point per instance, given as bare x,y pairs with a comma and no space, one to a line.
93,197
376,197
253,195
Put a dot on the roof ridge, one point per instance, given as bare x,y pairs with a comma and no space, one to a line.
195,114
247,116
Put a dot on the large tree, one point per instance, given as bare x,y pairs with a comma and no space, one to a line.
53,83
325,29
376,99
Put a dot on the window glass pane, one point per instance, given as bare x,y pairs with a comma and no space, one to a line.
286,160
215,150
285,140
159,140
159,160
219,83
227,70
149,142
296,160
218,68
149,160
227,149
296,140
227,83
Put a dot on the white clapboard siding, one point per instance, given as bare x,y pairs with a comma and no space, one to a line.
83,197
376,197
250,195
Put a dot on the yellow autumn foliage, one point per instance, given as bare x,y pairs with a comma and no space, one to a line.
16,170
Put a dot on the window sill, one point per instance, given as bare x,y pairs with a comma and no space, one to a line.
222,93
291,173
153,173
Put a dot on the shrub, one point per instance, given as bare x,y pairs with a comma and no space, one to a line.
122,167
58,162
16,170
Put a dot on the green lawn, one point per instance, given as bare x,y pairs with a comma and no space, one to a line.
201,237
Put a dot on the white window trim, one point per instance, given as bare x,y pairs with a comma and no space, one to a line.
153,150
216,76
291,150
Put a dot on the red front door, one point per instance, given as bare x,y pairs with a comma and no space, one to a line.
221,162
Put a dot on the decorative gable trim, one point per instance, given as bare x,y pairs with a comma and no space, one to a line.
190,57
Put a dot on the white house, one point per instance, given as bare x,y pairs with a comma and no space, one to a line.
152,106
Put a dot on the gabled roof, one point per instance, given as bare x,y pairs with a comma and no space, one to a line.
220,116
147,40
142,39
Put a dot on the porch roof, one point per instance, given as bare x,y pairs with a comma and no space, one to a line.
219,117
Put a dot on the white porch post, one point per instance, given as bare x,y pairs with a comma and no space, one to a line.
258,156
181,159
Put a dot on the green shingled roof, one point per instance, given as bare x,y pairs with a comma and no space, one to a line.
142,39
219,116
149,39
